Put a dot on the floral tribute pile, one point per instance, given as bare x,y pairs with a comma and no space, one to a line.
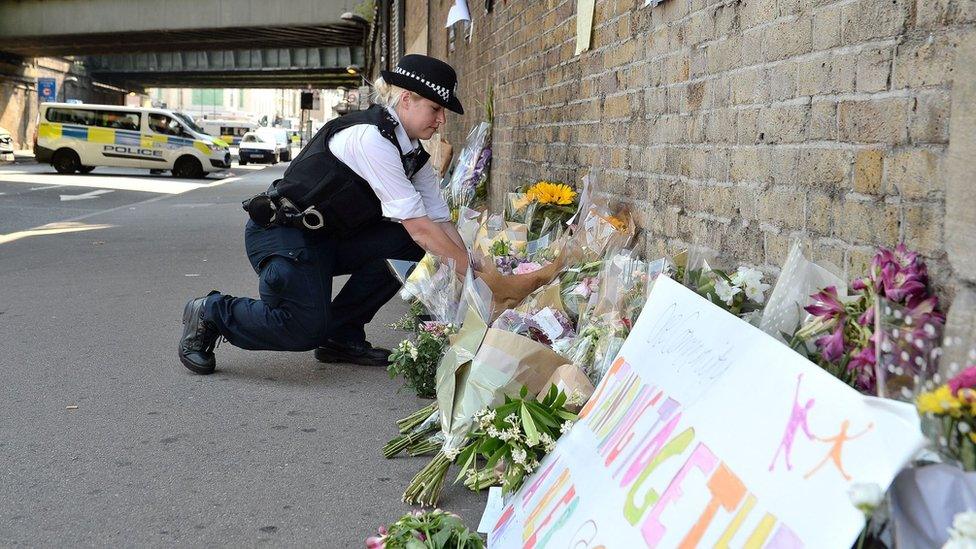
508,373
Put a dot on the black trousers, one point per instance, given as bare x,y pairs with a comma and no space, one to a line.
296,311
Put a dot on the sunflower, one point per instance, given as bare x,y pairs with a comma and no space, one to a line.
548,192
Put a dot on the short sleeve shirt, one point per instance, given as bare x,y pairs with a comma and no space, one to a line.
370,156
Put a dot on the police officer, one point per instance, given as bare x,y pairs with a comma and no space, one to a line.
362,191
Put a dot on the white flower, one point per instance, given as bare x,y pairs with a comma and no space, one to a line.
518,455
756,293
866,496
575,398
548,444
725,292
451,453
529,467
511,419
747,276
413,352
494,433
963,530
565,427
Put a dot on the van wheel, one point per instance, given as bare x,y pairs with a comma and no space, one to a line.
86,169
187,167
66,161
242,162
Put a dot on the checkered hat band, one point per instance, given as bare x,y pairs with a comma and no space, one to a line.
441,91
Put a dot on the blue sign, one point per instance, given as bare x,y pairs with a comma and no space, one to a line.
47,89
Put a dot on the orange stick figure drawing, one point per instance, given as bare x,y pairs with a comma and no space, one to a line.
797,421
838,445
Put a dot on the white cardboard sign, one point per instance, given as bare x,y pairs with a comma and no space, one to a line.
708,432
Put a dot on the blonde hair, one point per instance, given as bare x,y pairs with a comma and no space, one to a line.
387,94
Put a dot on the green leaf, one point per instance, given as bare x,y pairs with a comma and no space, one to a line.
496,456
544,418
531,432
560,400
570,416
441,538
523,392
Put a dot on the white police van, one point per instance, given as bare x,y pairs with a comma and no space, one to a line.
78,138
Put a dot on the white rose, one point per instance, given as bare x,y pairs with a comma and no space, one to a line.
866,496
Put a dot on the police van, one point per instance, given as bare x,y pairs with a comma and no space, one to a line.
231,131
78,138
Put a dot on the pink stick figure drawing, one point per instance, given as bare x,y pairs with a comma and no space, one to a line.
835,449
798,420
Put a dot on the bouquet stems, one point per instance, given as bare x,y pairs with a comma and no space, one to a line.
425,446
425,488
410,422
407,441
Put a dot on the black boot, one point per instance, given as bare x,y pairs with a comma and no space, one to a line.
198,339
352,353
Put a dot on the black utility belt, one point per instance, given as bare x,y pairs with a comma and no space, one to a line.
270,208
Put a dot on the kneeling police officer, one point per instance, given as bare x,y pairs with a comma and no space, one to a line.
362,191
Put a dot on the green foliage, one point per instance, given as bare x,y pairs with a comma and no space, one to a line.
435,529
417,362
519,433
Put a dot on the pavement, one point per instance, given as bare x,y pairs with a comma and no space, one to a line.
108,441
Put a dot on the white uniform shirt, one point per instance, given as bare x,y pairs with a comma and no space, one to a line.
370,155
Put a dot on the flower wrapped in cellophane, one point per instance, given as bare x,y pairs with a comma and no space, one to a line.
546,203
842,333
471,171
742,293
435,285
482,365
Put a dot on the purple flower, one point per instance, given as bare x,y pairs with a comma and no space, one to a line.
966,379
826,304
926,310
863,366
899,275
832,346
867,317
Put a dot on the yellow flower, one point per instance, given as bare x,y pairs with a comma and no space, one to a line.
972,437
941,401
619,223
547,192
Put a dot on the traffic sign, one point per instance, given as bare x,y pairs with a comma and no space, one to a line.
47,89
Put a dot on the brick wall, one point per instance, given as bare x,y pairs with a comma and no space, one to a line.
739,124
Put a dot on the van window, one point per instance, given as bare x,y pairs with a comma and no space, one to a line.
118,120
71,116
160,123
103,119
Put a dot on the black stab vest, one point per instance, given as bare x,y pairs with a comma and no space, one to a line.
317,178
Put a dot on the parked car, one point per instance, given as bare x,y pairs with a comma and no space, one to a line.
257,147
6,143
279,136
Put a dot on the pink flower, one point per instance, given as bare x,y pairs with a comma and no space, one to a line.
832,346
375,542
826,304
966,379
526,268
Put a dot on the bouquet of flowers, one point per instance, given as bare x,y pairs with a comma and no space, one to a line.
742,293
481,366
519,433
552,203
844,329
546,325
579,285
434,284
417,362
470,176
951,409
435,529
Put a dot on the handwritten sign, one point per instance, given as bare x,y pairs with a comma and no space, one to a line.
708,432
